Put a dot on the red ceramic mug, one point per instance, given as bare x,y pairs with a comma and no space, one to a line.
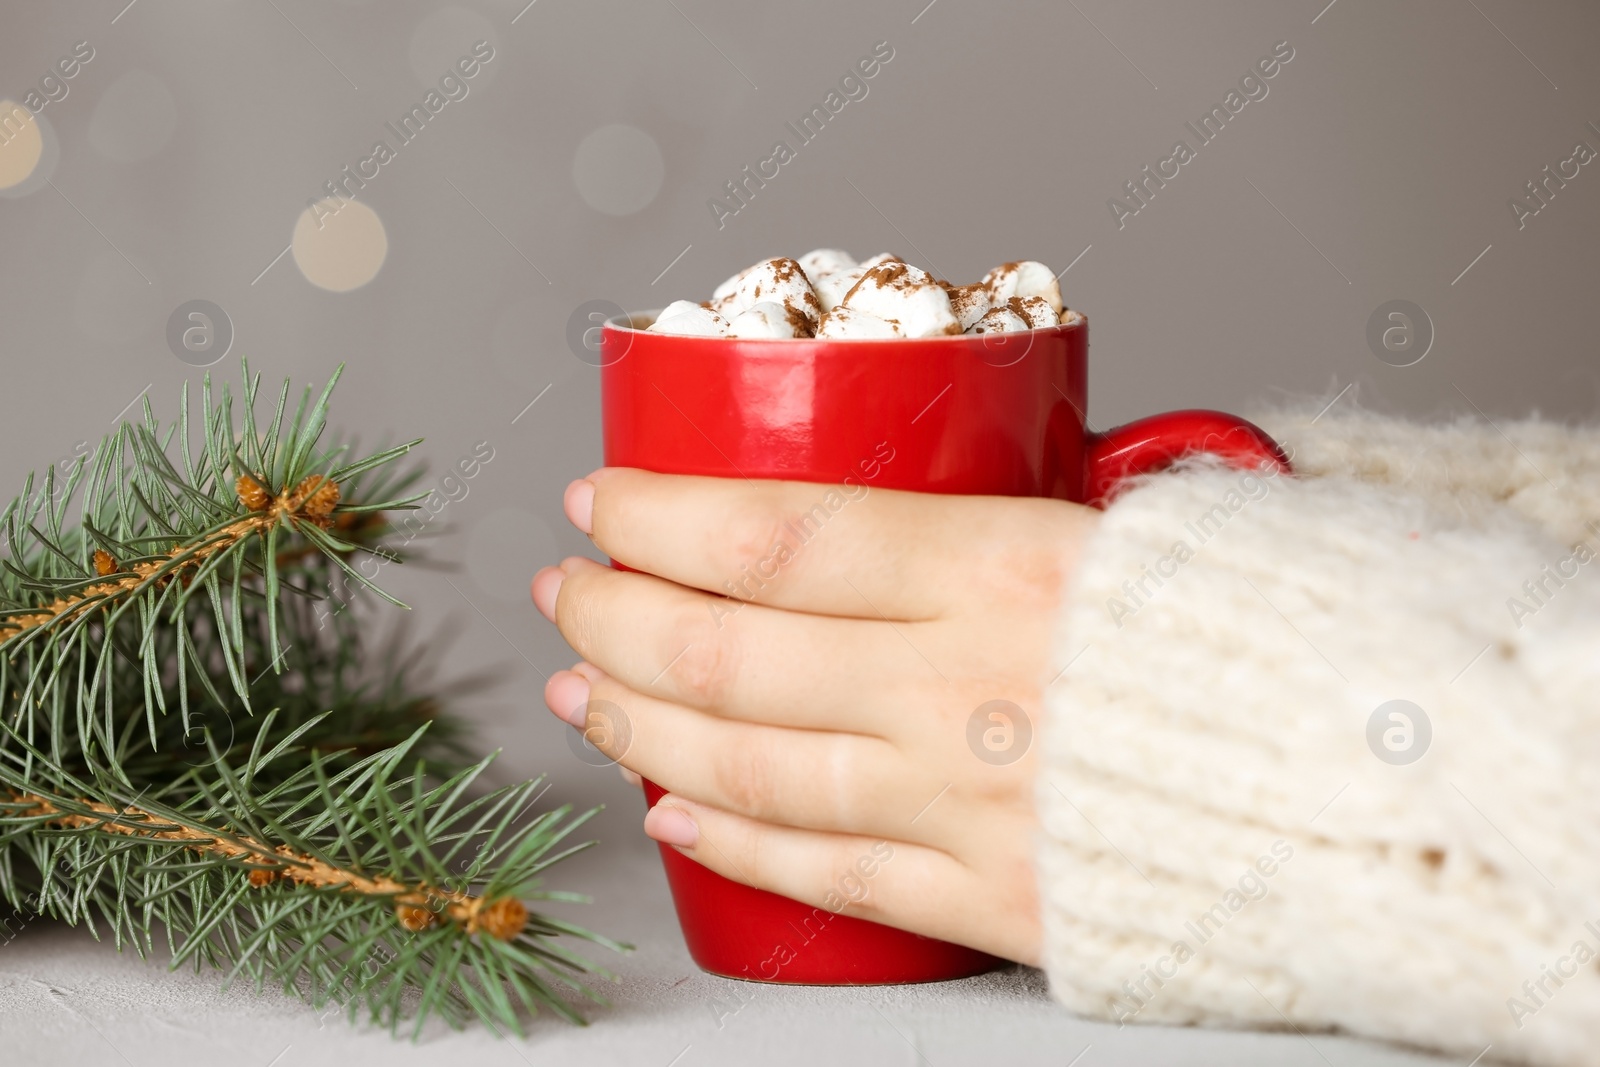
997,414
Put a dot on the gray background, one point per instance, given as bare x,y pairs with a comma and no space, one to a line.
1377,168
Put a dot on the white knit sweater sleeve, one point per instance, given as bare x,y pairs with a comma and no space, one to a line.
1240,824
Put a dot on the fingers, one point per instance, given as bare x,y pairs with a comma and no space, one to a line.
831,549
904,885
806,778
738,660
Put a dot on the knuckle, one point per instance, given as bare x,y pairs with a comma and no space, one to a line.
754,868
754,535
860,895
842,781
1017,564
706,668
745,776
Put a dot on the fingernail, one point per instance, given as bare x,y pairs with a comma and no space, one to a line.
567,695
671,826
578,501
546,585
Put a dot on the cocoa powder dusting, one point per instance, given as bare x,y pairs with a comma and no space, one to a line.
785,269
883,276
799,320
891,273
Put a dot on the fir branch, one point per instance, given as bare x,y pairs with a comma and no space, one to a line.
416,907
439,887
312,501
340,827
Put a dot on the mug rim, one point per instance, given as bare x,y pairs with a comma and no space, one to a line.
625,324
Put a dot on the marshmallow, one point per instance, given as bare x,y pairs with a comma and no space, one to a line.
906,296
831,288
767,319
696,322
1000,320
844,322
821,262
879,260
1024,279
1036,309
969,302
677,307
826,293
724,292
780,281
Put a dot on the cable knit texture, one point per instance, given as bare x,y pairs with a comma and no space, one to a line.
1239,829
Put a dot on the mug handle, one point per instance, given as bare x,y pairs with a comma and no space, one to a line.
1151,444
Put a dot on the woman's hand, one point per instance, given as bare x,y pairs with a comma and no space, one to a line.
820,674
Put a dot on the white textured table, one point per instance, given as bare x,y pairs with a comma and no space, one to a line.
65,1000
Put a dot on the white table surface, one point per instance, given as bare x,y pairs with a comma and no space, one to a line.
67,1000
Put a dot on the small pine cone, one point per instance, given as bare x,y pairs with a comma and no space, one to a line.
504,919
262,876
322,499
414,918
251,493
104,562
